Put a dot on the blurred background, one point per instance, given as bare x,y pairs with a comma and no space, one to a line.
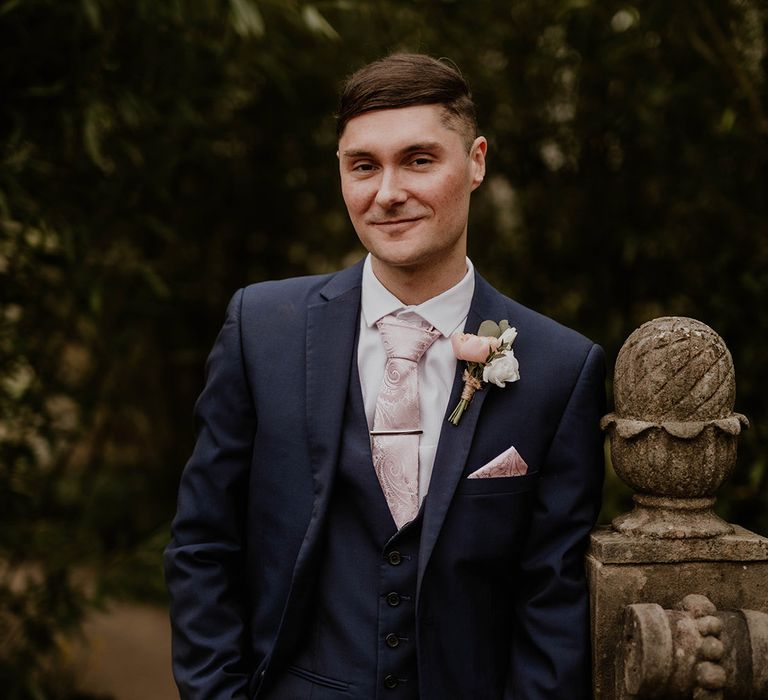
155,155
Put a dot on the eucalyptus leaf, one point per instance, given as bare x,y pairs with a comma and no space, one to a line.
503,325
489,329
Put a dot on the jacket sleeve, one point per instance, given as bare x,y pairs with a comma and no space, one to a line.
205,561
551,648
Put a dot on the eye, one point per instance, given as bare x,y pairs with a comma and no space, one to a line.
363,167
421,161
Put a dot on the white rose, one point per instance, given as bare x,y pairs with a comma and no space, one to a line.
508,337
502,369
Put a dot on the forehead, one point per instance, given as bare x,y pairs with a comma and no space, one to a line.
397,129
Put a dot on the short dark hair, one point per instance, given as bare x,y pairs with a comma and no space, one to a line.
405,80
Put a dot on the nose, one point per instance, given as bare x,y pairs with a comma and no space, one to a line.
391,191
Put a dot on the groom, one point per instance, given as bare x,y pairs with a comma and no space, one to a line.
334,537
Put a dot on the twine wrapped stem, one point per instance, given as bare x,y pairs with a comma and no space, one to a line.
471,385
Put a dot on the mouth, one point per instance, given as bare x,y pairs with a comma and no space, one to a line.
394,222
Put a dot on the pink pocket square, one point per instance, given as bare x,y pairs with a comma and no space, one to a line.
508,463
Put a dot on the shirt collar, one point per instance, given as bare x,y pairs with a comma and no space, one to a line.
446,312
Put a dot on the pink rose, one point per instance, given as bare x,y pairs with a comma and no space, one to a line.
473,348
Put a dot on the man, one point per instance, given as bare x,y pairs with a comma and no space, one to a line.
328,546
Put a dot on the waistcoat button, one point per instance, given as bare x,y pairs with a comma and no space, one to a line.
394,558
393,599
390,681
392,640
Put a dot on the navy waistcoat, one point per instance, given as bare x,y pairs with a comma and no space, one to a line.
360,639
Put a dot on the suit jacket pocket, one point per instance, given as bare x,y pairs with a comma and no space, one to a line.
318,679
497,485
487,525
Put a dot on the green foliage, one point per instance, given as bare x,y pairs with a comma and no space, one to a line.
156,155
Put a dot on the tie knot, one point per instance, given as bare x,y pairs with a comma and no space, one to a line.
408,340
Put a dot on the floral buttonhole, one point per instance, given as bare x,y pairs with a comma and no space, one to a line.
489,357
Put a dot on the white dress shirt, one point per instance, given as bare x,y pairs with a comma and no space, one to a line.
447,313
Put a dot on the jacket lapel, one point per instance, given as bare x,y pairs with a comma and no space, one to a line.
331,333
455,440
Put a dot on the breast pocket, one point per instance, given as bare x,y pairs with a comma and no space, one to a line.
498,484
489,519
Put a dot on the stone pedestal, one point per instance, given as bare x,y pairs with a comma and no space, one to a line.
731,570
679,597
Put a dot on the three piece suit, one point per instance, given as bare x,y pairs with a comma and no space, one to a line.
288,577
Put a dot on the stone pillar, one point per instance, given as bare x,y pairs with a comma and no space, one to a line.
673,439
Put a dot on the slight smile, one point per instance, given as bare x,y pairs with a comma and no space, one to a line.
395,222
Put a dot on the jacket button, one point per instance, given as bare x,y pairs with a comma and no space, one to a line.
393,599
392,640
394,558
390,681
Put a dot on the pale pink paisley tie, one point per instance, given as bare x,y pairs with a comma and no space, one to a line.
396,423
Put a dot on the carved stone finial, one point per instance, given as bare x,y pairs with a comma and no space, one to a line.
673,434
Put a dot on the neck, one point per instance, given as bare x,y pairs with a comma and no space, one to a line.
415,285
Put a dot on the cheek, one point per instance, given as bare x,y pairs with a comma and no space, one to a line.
451,196
356,198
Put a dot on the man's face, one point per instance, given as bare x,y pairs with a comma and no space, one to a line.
406,179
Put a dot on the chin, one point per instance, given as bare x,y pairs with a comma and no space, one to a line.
395,252
406,259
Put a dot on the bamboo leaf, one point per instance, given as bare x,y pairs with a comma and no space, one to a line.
97,124
92,13
316,23
246,18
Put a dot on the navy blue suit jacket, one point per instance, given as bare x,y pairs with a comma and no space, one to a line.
502,604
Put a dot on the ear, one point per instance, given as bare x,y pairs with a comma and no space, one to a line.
477,155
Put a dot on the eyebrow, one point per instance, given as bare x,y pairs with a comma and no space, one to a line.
413,148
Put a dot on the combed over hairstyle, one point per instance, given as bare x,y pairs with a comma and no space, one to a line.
405,80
